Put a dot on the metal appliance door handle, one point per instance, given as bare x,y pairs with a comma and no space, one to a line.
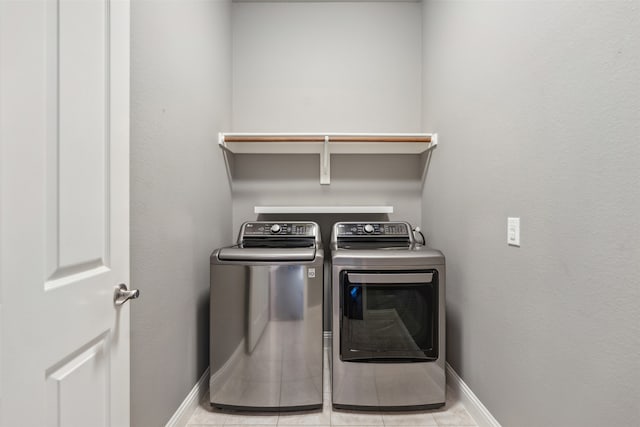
390,278
122,294
262,254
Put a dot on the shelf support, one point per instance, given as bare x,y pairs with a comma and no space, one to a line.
325,163
427,157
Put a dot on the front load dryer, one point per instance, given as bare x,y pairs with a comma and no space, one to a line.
388,349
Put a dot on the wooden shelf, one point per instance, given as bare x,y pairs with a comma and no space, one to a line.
322,209
257,138
326,144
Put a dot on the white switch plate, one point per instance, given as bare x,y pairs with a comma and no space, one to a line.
513,231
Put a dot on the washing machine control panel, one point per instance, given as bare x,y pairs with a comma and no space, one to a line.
378,229
298,229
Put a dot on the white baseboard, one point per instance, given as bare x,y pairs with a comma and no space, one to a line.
474,406
181,417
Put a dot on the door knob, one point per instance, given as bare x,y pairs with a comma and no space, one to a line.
122,294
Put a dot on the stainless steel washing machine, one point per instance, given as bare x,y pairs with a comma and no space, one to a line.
388,319
266,319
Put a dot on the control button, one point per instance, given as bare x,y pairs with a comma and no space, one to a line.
368,228
275,228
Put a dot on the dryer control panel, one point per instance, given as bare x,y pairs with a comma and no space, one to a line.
378,229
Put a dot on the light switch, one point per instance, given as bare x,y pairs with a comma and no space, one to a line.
513,231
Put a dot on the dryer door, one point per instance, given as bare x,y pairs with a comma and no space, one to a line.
389,316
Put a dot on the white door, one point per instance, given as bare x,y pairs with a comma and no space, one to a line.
64,199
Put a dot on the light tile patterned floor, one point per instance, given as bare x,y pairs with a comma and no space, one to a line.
453,414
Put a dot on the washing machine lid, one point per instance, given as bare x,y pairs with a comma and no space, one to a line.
265,254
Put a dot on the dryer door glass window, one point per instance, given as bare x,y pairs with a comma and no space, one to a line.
389,316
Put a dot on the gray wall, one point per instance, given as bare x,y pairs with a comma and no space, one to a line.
326,67
180,195
537,105
283,180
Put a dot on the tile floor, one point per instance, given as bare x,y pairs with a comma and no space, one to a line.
453,414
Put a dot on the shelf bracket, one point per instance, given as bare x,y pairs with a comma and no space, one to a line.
227,161
434,142
427,157
325,163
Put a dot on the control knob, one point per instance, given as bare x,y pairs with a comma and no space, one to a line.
275,228
368,228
